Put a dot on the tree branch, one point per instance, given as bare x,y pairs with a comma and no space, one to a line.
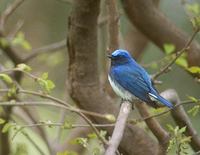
155,127
83,78
119,128
158,28
178,54
45,49
9,10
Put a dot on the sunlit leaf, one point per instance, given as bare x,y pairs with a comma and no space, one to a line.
2,121
182,62
182,130
80,141
6,127
67,125
193,98
21,41
110,117
169,48
194,69
23,67
193,8
92,136
45,76
6,78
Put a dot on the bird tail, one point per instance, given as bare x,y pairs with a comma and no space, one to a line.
162,100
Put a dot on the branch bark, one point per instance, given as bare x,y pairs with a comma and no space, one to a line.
83,80
119,128
158,28
159,132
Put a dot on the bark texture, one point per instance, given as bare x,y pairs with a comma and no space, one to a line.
83,78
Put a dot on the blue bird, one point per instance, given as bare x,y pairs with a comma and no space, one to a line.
130,81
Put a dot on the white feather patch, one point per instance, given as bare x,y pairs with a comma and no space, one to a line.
120,91
152,97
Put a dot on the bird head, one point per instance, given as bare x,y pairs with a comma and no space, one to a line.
120,57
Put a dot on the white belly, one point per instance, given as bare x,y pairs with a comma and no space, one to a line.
120,91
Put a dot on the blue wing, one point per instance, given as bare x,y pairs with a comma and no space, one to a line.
134,79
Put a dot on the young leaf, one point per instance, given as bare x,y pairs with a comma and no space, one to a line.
193,8
110,117
6,78
169,48
24,67
6,127
81,141
2,121
181,61
194,69
193,98
45,76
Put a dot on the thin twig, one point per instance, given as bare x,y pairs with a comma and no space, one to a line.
15,30
45,49
178,54
119,128
71,108
9,10
160,133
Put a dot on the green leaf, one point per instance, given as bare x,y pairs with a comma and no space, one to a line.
6,78
193,99
67,125
2,121
194,110
181,61
193,8
20,40
170,127
182,130
6,127
50,85
103,133
26,45
169,48
186,139
80,141
92,136
154,65
45,76
110,117
24,67
194,69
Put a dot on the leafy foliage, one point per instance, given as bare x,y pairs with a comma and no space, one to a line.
178,140
46,84
6,78
195,109
21,41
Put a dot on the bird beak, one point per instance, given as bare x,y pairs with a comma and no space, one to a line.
109,56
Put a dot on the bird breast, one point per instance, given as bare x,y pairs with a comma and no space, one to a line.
119,90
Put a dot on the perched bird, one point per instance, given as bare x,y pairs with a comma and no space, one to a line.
130,81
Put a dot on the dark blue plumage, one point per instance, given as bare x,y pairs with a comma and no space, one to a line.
129,80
